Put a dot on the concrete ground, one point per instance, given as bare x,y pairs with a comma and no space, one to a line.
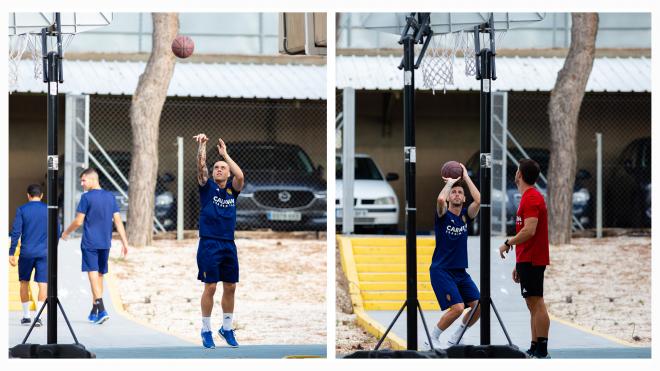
565,340
121,336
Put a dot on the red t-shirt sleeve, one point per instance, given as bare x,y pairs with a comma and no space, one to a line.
532,208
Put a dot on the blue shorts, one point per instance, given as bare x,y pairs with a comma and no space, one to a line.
40,266
453,286
95,260
217,261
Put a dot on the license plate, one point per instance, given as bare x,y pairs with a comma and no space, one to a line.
356,213
286,216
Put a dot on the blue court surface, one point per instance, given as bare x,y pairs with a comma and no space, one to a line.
121,337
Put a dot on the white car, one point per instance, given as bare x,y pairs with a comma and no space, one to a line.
375,203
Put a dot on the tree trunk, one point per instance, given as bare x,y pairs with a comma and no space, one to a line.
146,107
563,111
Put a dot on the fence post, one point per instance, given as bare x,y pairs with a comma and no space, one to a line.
179,187
599,185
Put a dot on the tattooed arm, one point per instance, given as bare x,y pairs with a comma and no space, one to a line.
202,170
239,178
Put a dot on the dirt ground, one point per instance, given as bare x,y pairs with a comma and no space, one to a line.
280,298
603,285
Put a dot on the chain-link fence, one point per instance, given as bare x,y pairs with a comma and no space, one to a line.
279,144
624,121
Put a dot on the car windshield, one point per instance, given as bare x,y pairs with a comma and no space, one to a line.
365,169
273,159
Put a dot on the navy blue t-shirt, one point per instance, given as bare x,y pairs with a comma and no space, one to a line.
30,225
98,205
450,241
217,217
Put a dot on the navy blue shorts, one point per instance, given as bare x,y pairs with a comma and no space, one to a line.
40,266
95,260
217,261
453,286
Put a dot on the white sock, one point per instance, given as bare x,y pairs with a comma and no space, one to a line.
435,333
206,324
226,321
454,338
39,305
26,310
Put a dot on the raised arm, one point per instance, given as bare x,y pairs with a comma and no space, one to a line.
473,209
239,178
202,170
441,206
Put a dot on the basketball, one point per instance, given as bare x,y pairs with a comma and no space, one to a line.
452,169
183,46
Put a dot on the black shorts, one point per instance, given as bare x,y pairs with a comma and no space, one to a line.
531,279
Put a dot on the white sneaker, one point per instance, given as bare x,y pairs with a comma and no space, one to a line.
436,344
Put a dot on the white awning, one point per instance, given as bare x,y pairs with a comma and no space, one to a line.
513,74
222,80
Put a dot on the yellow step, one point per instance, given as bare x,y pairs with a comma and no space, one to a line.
395,295
391,250
396,305
374,286
14,286
391,277
394,268
389,259
388,242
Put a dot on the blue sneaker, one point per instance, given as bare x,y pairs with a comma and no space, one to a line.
92,317
102,317
207,340
228,335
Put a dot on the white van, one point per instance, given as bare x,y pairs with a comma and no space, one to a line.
375,203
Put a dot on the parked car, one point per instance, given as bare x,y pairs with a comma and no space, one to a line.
582,200
283,189
375,203
628,195
165,203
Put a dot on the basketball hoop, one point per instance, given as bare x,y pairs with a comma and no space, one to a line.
25,39
438,65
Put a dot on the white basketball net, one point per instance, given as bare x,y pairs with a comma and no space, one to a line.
438,64
28,45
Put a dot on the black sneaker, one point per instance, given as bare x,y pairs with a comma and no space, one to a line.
26,321
537,355
37,322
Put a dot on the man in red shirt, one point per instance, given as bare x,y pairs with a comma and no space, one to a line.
532,253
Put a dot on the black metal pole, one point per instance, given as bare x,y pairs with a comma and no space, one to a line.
53,74
411,212
485,183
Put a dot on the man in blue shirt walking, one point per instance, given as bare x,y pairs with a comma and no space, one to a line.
217,259
30,226
97,211
452,285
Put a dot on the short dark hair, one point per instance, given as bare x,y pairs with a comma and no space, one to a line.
529,169
459,183
89,171
34,190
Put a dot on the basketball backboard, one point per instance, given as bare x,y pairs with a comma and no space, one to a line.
303,33
72,23
442,23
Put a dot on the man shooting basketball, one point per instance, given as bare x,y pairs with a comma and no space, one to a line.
452,285
532,253
217,259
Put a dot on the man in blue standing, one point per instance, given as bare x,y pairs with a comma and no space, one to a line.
30,226
452,285
217,259
96,212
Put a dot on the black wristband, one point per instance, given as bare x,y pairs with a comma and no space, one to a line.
507,243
